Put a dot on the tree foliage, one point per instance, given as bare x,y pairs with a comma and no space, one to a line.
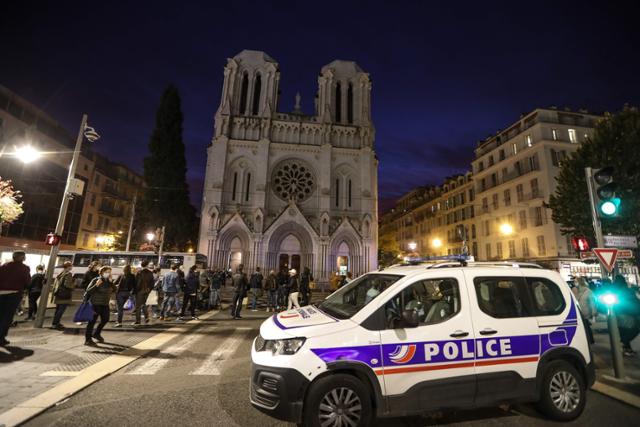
166,196
615,142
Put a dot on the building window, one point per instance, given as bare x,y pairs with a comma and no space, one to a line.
99,226
519,193
495,201
338,102
473,231
337,192
499,250
535,190
541,249
528,139
494,179
246,194
538,216
350,103
525,247
501,155
480,166
487,228
554,134
523,219
244,92
507,197
89,219
572,136
96,181
235,185
490,160
93,199
474,250
257,88
485,205
488,250
512,249
514,148
85,240
349,190
106,223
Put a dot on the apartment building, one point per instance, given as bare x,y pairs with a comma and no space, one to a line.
514,173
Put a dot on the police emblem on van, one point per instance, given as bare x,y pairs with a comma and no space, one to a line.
403,354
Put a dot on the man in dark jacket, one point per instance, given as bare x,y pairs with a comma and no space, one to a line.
255,284
35,289
14,277
240,284
144,286
190,292
217,281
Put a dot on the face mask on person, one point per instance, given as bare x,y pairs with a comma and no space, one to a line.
106,275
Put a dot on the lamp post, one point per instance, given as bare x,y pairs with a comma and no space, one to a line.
413,246
506,229
67,195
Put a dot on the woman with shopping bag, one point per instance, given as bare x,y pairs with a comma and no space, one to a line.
126,285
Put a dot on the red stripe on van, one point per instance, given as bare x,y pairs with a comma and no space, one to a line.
505,361
408,369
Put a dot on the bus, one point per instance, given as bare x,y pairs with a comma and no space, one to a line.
118,259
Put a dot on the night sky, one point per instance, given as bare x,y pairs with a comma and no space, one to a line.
445,74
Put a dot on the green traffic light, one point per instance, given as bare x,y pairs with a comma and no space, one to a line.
610,207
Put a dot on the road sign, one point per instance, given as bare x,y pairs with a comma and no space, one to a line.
607,257
620,241
625,253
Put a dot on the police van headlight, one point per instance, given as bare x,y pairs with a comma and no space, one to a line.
284,347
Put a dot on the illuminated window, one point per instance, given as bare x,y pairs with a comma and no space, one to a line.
572,136
514,147
528,139
554,133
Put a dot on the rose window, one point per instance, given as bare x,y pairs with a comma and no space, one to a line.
293,180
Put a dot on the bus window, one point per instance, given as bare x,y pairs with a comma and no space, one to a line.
102,259
120,261
81,260
167,260
62,259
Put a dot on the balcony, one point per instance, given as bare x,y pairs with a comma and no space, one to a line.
510,176
110,211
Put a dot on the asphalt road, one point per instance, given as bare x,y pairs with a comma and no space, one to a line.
201,378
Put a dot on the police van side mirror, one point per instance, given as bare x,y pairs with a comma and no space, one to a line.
410,319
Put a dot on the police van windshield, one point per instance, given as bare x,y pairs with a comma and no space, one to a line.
352,297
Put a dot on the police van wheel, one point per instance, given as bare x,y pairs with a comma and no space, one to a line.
563,392
338,400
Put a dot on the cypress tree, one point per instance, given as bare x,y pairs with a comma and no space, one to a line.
166,197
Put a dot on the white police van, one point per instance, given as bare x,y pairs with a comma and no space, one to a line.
411,339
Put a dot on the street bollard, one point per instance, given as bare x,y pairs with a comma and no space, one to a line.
614,339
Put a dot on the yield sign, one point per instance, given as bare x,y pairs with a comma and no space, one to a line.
607,257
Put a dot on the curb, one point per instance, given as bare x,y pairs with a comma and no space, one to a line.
617,394
26,410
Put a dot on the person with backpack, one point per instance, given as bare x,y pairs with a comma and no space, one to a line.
190,293
271,286
62,292
125,287
255,285
99,293
34,291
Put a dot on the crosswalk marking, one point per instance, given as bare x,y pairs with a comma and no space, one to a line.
153,365
211,366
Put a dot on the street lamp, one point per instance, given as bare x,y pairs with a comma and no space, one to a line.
150,236
26,154
413,246
506,229
436,243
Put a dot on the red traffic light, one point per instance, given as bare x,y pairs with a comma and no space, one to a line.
580,244
52,239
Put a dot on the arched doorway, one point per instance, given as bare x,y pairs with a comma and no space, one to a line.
235,254
342,258
290,252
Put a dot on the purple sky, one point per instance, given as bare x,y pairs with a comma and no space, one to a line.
444,74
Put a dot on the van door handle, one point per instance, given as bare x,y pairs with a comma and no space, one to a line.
459,334
488,331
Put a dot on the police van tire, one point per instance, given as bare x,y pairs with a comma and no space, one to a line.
343,390
562,384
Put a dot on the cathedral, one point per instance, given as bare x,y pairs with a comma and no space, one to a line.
291,190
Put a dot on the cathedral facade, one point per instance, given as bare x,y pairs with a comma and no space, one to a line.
290,190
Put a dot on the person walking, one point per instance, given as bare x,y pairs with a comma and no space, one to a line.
217,281
125,286
283,288
204,290
170,288
143,287
271,287
305,290
92,273
34,291
240,283
99,293
14,278
62,293
255,284
587,304
190,293
293,290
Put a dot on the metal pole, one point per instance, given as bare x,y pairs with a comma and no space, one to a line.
161,246
53,254
133,214
612,321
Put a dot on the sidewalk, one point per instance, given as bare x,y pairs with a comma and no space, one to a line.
604,373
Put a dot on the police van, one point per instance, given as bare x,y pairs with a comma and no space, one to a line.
418,338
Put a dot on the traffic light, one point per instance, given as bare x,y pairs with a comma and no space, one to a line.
52,239
580,244
608,202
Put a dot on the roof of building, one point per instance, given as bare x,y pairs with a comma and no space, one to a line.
254,56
